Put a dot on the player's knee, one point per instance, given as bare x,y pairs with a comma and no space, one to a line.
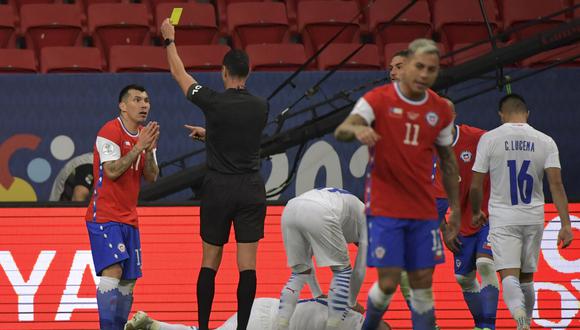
526,277
301,269
388,285
466,282
485,266
421,279
126,287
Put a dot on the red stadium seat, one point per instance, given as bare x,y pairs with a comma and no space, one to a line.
318,21
17,61
519,12
137,59
415,23
366,59
46,25
7,26
70,60
257,23
554,55
20,3
118,24
462,21
222,9
276,57
197,25
471,53
203,57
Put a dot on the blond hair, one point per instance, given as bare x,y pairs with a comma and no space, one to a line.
423,46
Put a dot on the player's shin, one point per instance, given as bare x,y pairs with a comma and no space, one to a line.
107,295
514,300
489,290
246,294
405,288
289,297
422,309
529,297
377,304
471,295
338,297
124,302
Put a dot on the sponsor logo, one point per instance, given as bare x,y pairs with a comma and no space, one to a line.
432,118
107,149
412,115
195,89
127,143
466,156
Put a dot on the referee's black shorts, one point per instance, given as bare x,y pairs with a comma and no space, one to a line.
237,198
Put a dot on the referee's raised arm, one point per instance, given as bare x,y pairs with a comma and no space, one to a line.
184,79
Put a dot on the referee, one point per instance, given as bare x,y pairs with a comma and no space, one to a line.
233,189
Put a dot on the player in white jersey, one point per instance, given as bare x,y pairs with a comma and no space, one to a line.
309,315
321,223
516,157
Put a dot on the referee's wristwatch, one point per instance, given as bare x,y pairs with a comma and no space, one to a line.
167,42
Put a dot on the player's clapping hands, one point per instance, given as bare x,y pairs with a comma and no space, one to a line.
148,136
367,135
565,236
167,29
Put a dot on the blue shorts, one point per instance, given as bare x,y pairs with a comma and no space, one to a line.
404,243
468,250
115,242
442,206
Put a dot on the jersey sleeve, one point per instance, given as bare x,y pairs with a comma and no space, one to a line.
553,156
445,137
364,109
481,163
108,144
201,96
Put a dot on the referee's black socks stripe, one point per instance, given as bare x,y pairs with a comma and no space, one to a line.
246,295
205,293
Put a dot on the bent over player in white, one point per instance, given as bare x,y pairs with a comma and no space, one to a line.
516,157
321,222
310,314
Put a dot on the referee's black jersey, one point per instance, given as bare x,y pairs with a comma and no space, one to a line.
234,120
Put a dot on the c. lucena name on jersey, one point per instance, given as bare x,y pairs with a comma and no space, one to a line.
519,145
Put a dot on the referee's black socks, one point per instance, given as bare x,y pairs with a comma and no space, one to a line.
246,295
205,293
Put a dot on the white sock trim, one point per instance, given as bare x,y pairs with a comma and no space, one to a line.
107,284
486,269
422,300
468,283
380,299
126,287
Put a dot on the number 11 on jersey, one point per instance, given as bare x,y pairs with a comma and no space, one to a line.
412,134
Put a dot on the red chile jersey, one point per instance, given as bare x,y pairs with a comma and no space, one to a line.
399,184
465,147
438,179
115,200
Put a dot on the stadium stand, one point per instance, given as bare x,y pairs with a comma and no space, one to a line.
276,57
70,60
257,22
415,23
137,59
366,59
519,12
46,25
17,61
202,57
7,26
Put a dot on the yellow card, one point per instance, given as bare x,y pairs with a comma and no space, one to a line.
175,16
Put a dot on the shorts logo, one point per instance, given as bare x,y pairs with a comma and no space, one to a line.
89,179
432,118
487,245
380,252
107,149
457,263
121,247
466,156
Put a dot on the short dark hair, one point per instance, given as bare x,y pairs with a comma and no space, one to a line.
237,63
519,103
403,53
125,91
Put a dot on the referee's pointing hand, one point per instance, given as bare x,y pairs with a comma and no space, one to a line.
196,132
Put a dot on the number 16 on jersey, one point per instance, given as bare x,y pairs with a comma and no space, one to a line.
521,182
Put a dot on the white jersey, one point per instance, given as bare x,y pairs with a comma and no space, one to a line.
516,155
347,209
309,315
